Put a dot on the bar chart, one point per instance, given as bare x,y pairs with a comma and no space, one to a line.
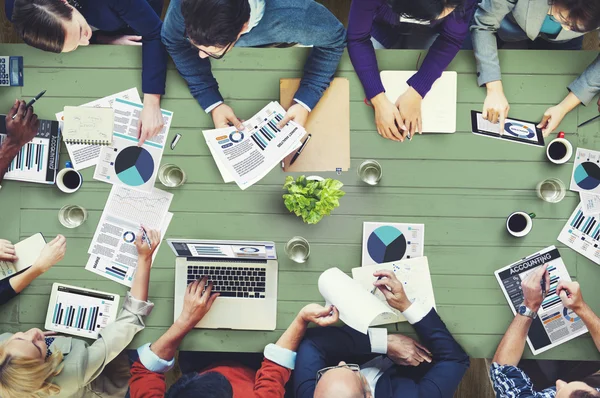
582,234
81,311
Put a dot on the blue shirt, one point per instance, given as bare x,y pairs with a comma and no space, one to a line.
511,382
114,15
550,27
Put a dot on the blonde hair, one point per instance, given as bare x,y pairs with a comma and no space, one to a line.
28,378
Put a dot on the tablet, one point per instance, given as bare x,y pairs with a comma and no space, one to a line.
80,312
515,130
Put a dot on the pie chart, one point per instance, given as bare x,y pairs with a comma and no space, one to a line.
134,166
386,244
587,175
519,130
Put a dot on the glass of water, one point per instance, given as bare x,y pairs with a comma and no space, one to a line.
171,175
370,172
297,249
72,216
551,190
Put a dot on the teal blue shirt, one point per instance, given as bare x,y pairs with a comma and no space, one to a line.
550,27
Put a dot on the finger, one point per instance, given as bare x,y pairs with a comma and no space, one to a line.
49,333
484,114
201,286
194,289
494,117
286,118
400,122
420,125
207,293
544,120
211,300
502,119
413,362
388,295
9,250
56,239
395,134
189,288
335,315
34,120
134,38
21,111
28,115
423,355
13,110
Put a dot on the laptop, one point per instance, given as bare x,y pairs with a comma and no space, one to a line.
243,272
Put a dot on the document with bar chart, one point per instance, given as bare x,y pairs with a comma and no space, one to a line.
80,312
247,156
555,324
37,161
582,234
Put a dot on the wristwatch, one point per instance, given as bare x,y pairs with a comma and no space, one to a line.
523,310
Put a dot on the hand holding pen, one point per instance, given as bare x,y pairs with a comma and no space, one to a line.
146,242
570,294
392,289
33,101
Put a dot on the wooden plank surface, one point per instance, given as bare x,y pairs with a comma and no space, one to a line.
460,185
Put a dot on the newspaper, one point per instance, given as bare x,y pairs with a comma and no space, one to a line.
555,324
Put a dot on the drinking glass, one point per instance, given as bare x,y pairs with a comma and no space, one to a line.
297,249
370,172
551,190
72,216
171,175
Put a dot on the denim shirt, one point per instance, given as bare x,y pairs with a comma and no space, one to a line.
284,21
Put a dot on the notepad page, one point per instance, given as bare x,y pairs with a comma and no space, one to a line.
88,125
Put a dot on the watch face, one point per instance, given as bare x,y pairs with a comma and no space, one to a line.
522,309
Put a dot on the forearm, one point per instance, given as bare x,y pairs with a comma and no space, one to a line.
511,347
592,322
166,346
139,288
22,280
294,334
570,102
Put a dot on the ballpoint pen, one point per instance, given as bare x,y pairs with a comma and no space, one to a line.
588,121
33,100
146,238
300,149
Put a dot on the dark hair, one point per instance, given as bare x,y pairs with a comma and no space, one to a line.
584,394
584,15
206,385
424,10
214,22
39,23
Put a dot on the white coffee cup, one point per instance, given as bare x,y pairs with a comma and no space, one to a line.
519,223
67,182
567,155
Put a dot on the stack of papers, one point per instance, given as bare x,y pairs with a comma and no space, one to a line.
247,156
112,252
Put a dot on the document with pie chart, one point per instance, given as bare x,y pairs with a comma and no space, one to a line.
388,242
125,163
586,172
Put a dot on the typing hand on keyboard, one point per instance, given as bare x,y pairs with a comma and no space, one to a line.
197,302
238,282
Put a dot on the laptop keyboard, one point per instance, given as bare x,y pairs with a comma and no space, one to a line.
239,282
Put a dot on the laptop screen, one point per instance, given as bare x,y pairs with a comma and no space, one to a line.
223,249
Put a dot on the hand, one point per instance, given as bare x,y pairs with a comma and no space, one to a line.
197,303
392,289
495,106
223,116
51,254
23,127
570,294
387,118
122,40
405,351
7,251
409,105
319,315
143,250
297,113
552,118
151,120
532,288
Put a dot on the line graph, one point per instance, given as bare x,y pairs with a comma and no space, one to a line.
148,208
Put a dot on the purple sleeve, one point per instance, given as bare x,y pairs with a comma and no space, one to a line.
453,31
360,48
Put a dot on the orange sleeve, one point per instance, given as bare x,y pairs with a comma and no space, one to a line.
270,380
146,384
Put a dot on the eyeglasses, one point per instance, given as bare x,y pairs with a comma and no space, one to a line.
563,22
351,366
212,55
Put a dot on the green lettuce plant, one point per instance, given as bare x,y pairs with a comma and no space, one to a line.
312,199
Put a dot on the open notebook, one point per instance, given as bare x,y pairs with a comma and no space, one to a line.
87,125
27,251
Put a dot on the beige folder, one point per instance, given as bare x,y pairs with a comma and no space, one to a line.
329,124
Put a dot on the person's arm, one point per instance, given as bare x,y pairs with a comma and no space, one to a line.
587,85
196,71
19,131
486,22
555,114
570,294
157,358
450,362
115,337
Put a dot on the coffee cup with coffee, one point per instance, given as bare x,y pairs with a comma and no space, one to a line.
519,223
69,180
559,150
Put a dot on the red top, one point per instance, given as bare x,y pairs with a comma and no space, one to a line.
268,382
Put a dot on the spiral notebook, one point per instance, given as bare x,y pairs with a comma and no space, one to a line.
86,125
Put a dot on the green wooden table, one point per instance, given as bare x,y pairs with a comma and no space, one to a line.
460,186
